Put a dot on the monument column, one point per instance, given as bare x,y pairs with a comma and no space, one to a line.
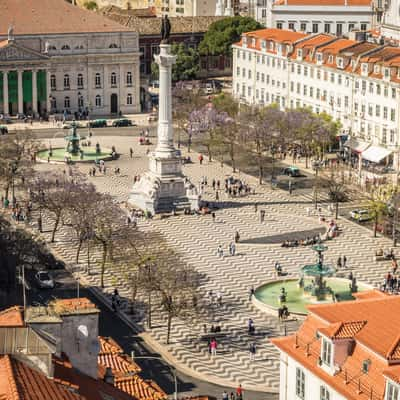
34,93
165,60
6,109
20,93
48,92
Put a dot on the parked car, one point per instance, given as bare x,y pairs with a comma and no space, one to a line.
122,122
98,123
3,129
44,280
68,125
291,171
360,215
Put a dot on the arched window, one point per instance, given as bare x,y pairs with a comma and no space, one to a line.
79,47
113,46
53,82
52,47
80,101
66,81
98,101
129,78
129,99
65,47
113,79
53,103
97,80
80,81
67,102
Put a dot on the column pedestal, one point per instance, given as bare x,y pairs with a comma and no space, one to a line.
6,109
48,93
164,187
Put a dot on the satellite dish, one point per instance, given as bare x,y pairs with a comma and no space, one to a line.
83,331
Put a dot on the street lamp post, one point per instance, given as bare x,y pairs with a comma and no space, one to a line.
172,369
13,171
316,169
88,117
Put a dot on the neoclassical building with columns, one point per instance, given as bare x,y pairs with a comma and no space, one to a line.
58,58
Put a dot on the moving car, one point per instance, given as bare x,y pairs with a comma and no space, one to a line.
291,171
98,123
360,215
44,280
122,122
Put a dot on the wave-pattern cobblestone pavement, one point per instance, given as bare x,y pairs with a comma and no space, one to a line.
197,238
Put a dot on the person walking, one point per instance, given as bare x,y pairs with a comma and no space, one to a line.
344,262
201,159
219,299
213,216
213,183
237,237
225,395
339,262
216,196
290,188
213,347
232,248
239,393
252,351
220,251
251,293
255,207
131,152
262,216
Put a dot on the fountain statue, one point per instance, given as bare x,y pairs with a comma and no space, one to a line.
73,141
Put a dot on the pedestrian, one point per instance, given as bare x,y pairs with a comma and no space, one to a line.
220,252
131,152
290,187
252,351
255,207
200,159
308,209
225,395
219,298
232,249
250,326
237,237
117,297
339,262
239,393
232,396
216,196
251,293
94,171
218,184
262,216
344,262
211,296
213,347
213,184
213,216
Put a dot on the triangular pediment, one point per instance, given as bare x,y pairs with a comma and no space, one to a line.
10,51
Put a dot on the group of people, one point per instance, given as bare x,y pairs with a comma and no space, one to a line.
233,396
302,242
231,250
236,187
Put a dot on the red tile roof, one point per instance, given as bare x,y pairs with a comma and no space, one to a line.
20,382
315,40
278,35
372,322
52,16
76,305
350,3
12,317
139,388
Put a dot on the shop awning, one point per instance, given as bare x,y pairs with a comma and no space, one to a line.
375,154
357,145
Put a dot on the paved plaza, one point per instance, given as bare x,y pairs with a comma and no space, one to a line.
197,239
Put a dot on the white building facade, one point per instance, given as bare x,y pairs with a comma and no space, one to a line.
94,69
338,17
358,83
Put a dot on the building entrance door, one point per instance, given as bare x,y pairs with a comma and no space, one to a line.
114,103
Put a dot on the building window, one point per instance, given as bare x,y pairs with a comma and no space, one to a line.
143,51
67,102
66,82
98,101
97,80
291,26
377,111
129,78
315,27
351,27
363,27
392,114
113,46
327,28
339,29
324,393
303,26
80,101
80,81
113,79
129,99
300,383
385,113
378,89
326,352
279,25
53,82
65,47
393,93
392,136
384,135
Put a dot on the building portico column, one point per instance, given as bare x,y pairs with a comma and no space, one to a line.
34,93
6,110
48,93
20,93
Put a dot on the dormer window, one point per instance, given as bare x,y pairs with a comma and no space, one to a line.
376,69
288,48
253,42
353,63
326,353
244,39
339,62
364,68
386,72
263,44
271,45
299,53
330,59
392,391
319,58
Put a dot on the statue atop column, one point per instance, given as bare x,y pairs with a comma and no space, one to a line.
165,29
10,33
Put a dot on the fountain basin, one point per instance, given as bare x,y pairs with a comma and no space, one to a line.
89,155
266,296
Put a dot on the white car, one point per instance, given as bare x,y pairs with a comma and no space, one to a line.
360,215
44,280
